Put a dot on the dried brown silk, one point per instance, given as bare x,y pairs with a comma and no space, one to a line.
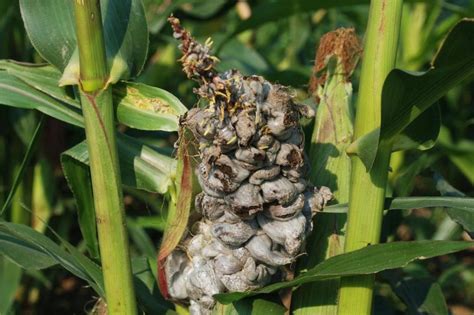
256,206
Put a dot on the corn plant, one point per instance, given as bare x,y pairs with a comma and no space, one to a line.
258,219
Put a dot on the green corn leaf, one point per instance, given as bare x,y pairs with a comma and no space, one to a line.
460,153
464,163
125,35
42,77
406,96
157,18
251,306
16,93
32,250
10,277
139,106
415,137
141,240
141,166
277,10
402,203
156,222
150,301
404,178
24,164
145,107
421,296
78,178
368,260
461,215
25,254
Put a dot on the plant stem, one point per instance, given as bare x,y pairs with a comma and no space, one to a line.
97,107
367,191
331,165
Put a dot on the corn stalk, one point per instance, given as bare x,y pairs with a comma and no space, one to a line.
367,192
97,107
336,58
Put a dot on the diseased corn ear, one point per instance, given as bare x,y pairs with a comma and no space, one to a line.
256,206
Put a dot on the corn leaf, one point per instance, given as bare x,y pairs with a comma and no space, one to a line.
461,215
137,105
24,163
150,301
125,35
145,107
251,306
408,95
32,250
401,203
461,153
16,93
42,77
141,166
268,11
414,137
368,260
421,296
10,276
78,178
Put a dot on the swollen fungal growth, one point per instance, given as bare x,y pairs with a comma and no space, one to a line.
255,205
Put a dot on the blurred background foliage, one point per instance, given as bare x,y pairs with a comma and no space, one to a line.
278,40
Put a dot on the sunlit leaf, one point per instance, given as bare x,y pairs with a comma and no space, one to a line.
137,105
251,306
407,95
147,108
125,35
141,166
16,93
44,78
368,260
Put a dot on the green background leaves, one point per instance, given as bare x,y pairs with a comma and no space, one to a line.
408,95
50,26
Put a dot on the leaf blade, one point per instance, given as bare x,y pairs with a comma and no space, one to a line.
407,95
368,260
125,36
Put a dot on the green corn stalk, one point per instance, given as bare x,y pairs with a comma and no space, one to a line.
330,165
97,107
367,189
